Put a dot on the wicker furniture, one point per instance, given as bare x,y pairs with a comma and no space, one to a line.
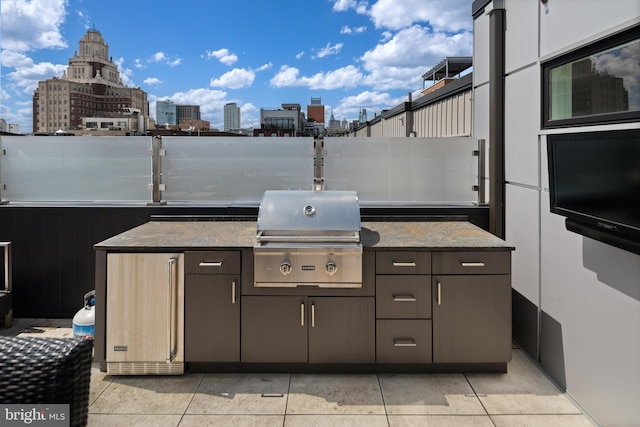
47,371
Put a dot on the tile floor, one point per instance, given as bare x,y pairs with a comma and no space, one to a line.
522,397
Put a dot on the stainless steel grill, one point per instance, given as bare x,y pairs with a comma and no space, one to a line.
308,238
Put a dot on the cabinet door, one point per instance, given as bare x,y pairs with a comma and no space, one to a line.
342,330
145,306
471,319
274,329
212,318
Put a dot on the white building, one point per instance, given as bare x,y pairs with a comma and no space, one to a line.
231,117
9,127
576,299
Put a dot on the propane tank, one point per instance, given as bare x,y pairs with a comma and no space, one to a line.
84,320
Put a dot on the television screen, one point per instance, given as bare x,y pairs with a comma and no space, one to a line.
594,181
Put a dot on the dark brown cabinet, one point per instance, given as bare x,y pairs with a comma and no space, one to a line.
471,307
403,307
302,329
212,306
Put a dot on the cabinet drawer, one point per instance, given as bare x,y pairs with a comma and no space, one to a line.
472,262
212,262
403,297
403,262
403,341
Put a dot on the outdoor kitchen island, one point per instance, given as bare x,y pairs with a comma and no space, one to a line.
435,297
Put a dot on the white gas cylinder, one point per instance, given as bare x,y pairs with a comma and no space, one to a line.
85,318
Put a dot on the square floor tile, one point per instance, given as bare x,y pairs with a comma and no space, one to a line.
241,394
429,394
336,421
99,382
440,421
132,420
159,395
232,420
541,421
523,390
335,394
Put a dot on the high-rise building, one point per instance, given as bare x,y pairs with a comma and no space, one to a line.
90,87
362,117
315,111
231,116
166,113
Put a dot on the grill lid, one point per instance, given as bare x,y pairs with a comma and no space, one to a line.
299,212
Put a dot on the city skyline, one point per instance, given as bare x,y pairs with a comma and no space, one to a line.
350,53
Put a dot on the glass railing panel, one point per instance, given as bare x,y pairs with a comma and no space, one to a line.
75,169
403,170
234,169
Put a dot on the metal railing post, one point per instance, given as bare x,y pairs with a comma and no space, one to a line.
157,152
6,246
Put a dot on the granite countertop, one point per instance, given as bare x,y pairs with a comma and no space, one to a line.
446,235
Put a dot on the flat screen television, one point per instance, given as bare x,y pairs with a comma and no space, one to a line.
594,181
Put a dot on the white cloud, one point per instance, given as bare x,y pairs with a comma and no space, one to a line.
138,64
345,77
264,67
223,55
348,30
27,73
299,55
125,73
4,95
417,47
235,79
161,57
152,81
360,6
35,24
441,15
329,50
372,101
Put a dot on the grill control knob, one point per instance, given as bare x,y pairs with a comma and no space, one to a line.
331,268
285,268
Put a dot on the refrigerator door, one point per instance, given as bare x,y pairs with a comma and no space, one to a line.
145,314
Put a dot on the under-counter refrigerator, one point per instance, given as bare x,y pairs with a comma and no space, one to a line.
145,314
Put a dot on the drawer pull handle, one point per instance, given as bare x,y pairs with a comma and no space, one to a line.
404,264
404,298
439,297
472,264
404,343
210,264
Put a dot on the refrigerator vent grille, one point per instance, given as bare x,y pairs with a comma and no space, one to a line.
144,368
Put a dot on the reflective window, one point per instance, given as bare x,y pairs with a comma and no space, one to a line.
597,84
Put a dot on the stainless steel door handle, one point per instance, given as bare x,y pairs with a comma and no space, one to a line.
210,264
404,343
404,298
404,264
472,264
171,301
233,292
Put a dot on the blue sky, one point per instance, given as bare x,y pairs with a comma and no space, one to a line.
260,54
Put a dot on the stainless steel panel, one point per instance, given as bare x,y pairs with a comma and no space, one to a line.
305,211
321,266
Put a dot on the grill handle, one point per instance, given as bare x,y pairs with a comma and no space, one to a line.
354,238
